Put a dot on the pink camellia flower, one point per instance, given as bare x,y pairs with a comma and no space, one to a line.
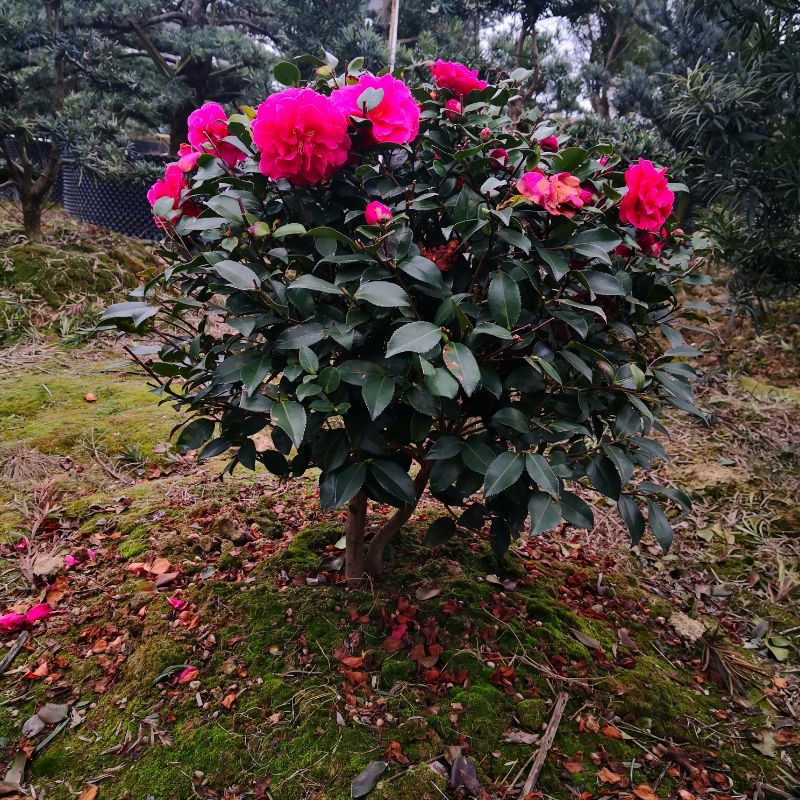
549,144
453,108
456,77
302,137
499,157
187,157
649,200
560,194
377,213
586,195
208,126
395,119
172,185
534,186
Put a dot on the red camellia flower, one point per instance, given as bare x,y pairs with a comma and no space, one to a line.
396,117
623,250
208,126
377,213
499,157
560,194
649,200
301,135
549,144
172,185
456,77
443,255
651,243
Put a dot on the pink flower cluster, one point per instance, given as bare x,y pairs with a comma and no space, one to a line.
560,194
305,137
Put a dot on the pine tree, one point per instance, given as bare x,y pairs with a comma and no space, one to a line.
738,112
60,88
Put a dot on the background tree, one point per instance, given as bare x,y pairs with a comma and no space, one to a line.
55,73
738,113
197,50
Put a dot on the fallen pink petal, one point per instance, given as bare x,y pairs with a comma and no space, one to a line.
177,603
37,612
70,561
11,622
188,674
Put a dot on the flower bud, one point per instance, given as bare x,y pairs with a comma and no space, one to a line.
549,144
486,134
453,108
377,213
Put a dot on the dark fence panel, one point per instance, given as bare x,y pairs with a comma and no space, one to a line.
117,205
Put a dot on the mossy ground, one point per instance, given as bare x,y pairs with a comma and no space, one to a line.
62,283
298,687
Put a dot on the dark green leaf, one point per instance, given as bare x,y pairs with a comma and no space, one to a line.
576,511
286,73
604,476
383,294
631,516
659,524
505,302
504,471
394,480
459,360
545,512
445,447
377,391
291,418
414,337
196,433
440,531
541,473
237,275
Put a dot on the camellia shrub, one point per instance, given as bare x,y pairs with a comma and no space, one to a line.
407,292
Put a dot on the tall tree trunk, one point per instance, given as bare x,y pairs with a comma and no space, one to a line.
354,539
32,220
374,561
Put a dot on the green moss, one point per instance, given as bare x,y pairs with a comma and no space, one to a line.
531,713
419,783
49,413
303,552
765,391
49,765
397,670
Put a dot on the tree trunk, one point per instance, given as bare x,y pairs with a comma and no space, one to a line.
354,539
374,561
32,220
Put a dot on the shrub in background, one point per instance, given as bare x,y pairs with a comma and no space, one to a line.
408,292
